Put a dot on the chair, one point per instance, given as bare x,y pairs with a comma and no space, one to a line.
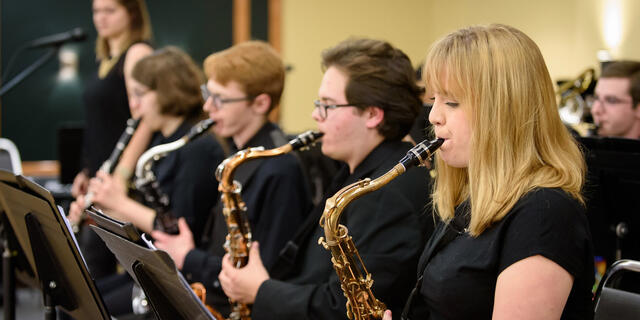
9,157
612,303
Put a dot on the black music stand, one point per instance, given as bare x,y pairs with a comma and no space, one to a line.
153,270
42,239
612,194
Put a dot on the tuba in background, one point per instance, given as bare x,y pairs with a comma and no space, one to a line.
574,109
354,278
238,241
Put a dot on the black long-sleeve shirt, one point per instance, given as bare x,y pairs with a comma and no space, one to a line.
187,175
389,228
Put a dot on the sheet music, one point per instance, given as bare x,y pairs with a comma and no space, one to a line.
73,235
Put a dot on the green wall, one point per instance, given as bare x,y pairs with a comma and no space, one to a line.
34,110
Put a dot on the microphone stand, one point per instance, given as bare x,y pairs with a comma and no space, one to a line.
29,70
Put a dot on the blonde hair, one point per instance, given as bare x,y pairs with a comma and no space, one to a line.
518,142
254,65
139,27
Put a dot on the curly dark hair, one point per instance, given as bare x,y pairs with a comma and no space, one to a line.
381,76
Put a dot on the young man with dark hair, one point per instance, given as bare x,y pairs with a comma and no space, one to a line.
368,100
617,96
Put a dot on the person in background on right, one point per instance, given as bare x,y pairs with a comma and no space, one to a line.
616,109
513,240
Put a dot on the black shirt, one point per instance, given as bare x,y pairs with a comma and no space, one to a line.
389,227
187,176
106,109
460,280
277,201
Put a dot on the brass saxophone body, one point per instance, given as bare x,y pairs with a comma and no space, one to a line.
355,280
145,180
238,242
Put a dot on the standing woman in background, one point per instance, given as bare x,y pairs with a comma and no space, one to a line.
509,175
124,30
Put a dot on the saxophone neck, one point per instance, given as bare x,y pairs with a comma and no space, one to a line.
146,160
335,205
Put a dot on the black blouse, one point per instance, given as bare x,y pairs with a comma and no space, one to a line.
460,280
106,110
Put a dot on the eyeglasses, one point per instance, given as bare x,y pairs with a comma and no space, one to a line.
322,107
218,101
610,101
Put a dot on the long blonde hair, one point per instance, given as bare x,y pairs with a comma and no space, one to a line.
518,142
139,24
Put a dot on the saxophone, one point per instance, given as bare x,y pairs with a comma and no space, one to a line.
109,165
238,241
145,179
356,285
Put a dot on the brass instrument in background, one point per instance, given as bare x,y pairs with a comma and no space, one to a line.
145,179
572,106
356,285
238,241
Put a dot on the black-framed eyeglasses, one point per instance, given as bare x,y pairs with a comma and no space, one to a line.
610,101
218,101
323,107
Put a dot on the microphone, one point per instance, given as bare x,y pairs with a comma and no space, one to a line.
55,40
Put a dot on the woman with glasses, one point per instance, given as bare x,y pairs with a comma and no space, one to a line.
513,240
165,88
245,82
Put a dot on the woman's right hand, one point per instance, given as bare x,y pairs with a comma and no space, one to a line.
387,315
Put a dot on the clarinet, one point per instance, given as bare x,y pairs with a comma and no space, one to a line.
110,164
356,281
146,182
238,241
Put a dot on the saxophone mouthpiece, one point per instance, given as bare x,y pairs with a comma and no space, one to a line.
305,139
421,152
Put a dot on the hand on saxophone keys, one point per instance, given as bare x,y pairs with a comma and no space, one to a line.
241,285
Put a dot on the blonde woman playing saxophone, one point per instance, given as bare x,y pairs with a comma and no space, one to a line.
515,241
